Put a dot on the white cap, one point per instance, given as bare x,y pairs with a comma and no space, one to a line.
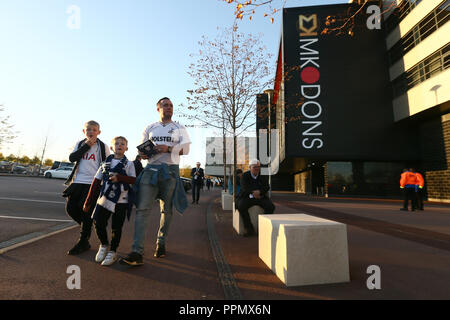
253,162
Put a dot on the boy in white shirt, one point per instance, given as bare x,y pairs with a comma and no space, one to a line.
112,181
88,155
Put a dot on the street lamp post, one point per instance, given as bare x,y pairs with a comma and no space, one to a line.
269,93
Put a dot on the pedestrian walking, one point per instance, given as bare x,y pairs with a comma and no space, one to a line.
197,175
88,154
408,182
419,189
160,177
111,194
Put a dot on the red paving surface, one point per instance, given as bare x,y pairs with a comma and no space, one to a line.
414,260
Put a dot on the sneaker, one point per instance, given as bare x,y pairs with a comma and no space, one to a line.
133,259
111,257
80,246
160,251
101,254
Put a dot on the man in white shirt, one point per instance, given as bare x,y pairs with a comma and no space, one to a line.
160,177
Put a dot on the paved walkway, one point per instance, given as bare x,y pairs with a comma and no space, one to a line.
206,260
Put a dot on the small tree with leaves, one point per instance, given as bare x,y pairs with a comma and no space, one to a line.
228,72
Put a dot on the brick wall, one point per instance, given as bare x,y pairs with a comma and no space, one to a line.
435,148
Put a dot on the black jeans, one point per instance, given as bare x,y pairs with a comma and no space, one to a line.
245,204
409,194
74,208
196,191
101,222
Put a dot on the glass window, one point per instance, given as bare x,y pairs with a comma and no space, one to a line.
446,57
432,65
427,26
443,13
408,42
415,75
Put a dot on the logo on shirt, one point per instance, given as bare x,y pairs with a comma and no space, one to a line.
86,156
162,139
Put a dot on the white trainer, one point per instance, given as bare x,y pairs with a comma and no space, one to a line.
111,257
101,254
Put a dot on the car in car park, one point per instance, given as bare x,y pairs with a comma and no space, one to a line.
59,173
5,166
19,170
187,184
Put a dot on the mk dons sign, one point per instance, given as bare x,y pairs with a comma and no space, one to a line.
335,89
310,89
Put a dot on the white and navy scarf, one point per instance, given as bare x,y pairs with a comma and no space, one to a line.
110,192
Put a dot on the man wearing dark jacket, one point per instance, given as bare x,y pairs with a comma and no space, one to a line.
254,188
197,175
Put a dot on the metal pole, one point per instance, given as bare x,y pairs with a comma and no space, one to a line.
269,93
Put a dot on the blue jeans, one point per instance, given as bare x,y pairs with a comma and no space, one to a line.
147,193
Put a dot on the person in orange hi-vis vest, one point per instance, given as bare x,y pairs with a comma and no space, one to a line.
420,191
408,182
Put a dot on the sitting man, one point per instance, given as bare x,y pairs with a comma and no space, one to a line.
253,192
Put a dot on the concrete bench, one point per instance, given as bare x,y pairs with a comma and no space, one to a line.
304,250
253,212
227,201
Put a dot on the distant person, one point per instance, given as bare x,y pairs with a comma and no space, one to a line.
254,188
408,182
420,192
138,165
88,154
208,183
112,192
160,177
197,175
238,182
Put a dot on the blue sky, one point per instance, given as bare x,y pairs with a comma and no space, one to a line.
126,55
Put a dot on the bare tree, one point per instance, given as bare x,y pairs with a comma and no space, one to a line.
334,24
228,72
6,132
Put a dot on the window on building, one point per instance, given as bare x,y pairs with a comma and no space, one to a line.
443,13
399,13
427,26
446,57
425,69
421,31
433,65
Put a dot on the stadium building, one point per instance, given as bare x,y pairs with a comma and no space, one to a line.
354,104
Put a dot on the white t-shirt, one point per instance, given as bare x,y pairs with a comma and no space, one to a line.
89,163
129,169
171,134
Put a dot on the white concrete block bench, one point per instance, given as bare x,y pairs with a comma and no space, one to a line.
253,212
304,250
227,201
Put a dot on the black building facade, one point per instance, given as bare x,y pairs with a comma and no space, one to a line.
332,107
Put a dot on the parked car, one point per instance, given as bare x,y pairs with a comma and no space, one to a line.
20,170
5,166
62,173
186,184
